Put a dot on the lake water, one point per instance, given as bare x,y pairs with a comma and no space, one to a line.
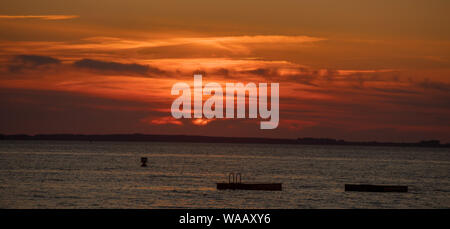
57,174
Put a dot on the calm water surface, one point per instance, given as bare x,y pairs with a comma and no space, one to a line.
56,174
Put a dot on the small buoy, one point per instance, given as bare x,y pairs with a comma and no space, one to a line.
143,162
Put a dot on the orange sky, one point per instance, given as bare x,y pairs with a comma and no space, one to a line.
354,70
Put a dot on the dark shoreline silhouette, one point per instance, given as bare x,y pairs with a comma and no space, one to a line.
209,139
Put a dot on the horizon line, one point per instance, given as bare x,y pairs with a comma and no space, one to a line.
337,140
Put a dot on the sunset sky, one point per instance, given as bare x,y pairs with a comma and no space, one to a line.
349,69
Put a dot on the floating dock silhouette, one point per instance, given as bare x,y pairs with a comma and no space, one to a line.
235,184
375,188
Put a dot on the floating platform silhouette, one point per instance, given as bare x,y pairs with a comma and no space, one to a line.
375,188
234,184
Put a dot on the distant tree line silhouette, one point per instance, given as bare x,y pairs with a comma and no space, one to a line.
209,139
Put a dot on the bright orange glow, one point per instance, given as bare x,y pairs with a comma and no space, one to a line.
201,122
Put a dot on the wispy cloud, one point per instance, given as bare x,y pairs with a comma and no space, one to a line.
21,62
229,43
41,17
111,67
225,42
